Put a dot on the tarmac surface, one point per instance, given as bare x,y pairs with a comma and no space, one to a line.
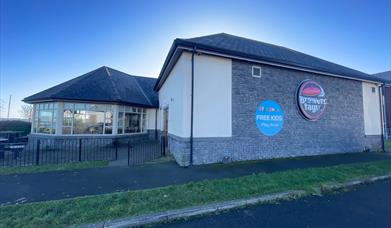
365,206
22,188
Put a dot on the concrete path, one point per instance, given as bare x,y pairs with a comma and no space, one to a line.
366,206
67,184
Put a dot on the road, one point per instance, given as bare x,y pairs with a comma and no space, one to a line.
365,206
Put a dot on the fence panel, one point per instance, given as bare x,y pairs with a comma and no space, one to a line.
57,151
69,150
142,152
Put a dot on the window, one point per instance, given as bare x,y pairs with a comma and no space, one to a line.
120,122
67,123
45,117
373,90
256,72
131,120
90,119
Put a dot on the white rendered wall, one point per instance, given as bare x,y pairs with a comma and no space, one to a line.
174,95
371,104
151,118
212,96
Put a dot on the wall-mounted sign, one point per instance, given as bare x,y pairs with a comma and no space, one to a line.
311,100
269,118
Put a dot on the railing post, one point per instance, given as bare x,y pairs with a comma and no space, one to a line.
38,148
80,150
116,149
128,152
163,143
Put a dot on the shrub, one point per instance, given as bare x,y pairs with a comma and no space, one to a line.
15,125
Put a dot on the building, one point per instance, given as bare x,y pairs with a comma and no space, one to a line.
223,98
386,90
102,103
217,92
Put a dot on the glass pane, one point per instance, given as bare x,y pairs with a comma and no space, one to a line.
67,118
132,123
54,121
109,115
120,119
96,107
108,130
144,123
79,106
68,106
66,130
121,109
120,130
88,122
44,121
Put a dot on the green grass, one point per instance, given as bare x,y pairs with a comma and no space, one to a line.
49,168
387,144
110,206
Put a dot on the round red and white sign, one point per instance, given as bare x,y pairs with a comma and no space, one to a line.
311,100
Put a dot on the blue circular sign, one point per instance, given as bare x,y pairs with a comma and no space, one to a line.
269,117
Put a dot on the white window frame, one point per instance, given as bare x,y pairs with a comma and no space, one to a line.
260,71
141,113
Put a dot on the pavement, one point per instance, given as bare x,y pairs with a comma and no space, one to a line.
365,206
24,188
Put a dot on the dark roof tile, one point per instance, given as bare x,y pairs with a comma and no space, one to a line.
256,50
385,76
103,85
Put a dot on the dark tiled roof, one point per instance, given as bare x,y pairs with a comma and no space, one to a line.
103,85
385,76
256,50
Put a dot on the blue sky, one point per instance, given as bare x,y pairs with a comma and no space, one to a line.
46,42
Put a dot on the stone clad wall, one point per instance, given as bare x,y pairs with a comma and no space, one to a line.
339,130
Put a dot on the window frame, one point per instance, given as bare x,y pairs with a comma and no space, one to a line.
260,71
132,110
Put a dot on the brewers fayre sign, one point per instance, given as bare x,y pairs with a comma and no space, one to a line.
311,100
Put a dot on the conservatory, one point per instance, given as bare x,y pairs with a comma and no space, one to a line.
63,118
102,102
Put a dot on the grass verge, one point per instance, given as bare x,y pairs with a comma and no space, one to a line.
387,145
110,206
49,168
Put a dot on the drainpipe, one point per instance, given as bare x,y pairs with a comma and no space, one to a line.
381,104
192,106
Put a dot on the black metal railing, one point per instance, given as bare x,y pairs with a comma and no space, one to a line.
57,151
68,150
